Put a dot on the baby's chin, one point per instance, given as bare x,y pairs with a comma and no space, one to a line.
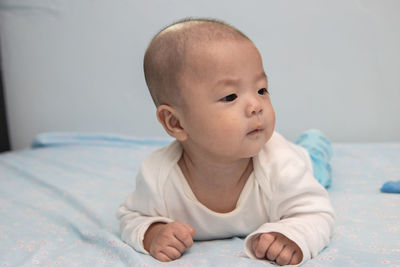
252,151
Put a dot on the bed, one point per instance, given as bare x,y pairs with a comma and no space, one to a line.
58,201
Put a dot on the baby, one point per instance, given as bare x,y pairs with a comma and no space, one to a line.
227,173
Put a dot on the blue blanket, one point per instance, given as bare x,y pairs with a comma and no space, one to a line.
58,203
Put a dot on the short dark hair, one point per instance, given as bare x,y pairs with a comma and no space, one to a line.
165,55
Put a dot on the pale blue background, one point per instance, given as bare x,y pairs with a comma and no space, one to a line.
76,65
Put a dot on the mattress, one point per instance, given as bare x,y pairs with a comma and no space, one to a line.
58,201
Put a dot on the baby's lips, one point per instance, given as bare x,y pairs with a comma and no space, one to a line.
256,130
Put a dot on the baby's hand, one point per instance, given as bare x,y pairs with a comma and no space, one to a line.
167,242
277,247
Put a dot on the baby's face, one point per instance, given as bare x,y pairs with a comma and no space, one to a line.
227,111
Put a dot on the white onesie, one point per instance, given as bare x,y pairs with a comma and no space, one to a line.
281,195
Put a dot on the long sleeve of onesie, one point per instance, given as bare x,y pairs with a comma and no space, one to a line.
299,206
134,222
145,205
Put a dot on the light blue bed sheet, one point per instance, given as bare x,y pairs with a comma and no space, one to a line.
58,204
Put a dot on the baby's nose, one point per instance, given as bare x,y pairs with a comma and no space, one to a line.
254,108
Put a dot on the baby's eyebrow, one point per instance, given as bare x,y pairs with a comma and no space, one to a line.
233,81
227,81
261,75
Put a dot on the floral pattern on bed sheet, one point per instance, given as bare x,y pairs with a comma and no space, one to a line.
58,204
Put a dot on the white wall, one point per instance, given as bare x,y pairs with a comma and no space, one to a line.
76,65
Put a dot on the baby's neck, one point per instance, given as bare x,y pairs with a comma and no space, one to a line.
216,185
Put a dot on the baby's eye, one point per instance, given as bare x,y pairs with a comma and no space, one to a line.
229,98
263,91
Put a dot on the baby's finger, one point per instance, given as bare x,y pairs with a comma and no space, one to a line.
274,250
285,257
178,244
185,238
261,245
161,256
190,229
184,233
296,258
171,252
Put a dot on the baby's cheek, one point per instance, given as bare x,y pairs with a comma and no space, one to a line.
231,123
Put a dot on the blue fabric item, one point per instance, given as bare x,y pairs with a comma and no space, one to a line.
320,150
391,187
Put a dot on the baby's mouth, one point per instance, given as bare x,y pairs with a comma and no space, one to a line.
256,131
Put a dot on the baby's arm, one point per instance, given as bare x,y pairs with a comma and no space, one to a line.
299,209
160,237
142,210
145,224
277,247
167,242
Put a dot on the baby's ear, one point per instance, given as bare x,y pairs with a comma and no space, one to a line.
169,118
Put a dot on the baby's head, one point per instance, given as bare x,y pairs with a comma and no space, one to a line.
208,83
